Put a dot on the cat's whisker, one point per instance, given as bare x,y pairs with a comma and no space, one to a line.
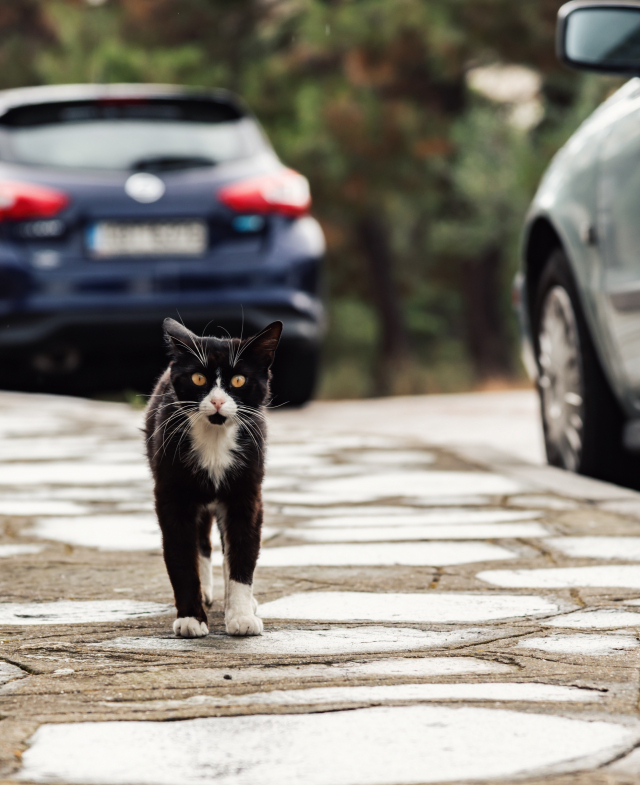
246,345
251,408
252,423
199,357
205,357
165,423
253,413
206,327
277,406
229,345
249,427
185,431
162,428
236,355
197,352
253,439
176,403
166,439
175,428
257,415
192,350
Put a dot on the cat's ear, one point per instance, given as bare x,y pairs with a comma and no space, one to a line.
179,339
263,345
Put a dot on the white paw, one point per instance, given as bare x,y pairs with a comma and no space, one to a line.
243,625
254,603
240,611
188,627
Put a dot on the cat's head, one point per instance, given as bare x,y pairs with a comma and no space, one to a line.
217,377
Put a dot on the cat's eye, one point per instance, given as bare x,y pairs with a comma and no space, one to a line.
198,379
238,381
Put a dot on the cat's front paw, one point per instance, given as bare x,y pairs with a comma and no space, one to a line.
190,627
243,625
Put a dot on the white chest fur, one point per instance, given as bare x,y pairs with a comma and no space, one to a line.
212,447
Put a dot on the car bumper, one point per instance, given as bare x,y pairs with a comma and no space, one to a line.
141,323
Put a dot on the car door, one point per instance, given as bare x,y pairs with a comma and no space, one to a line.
618,234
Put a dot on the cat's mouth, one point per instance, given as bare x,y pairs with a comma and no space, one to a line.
217,419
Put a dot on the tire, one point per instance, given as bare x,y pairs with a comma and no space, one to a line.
581,418
295,374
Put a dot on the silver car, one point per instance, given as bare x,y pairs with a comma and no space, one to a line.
579,285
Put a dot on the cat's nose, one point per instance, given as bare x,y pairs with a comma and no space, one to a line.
217,402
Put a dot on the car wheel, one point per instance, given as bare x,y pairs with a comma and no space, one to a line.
295,373
581,418
561,380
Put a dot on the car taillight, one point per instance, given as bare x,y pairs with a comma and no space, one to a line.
21,201
286,193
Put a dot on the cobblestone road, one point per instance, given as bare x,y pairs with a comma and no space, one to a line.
438,607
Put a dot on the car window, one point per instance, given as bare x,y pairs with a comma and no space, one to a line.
130,137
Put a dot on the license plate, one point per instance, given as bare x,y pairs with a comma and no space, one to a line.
154,238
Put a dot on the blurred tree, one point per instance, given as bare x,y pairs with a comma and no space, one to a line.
420,182
23,32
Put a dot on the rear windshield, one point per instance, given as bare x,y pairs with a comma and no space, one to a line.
128,135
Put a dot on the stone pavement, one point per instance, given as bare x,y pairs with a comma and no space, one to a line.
437,608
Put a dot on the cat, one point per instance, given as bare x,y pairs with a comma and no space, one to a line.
206,434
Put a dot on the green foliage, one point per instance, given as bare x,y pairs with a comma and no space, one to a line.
91,47
369,99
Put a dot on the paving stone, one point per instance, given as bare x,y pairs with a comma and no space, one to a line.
476,531
428,744
540,500
29,507
70,473
316,504
18,550
434,608
395,599
346,518
408,667
387,694
623,548
120,532
619,576
301,642
9,672
418,554
414,483
70,612
601,618
590,645
386,458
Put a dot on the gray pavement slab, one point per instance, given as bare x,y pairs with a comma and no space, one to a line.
438,606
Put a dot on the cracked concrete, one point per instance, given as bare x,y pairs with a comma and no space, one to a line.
447,644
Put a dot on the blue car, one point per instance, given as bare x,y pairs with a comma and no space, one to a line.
123,204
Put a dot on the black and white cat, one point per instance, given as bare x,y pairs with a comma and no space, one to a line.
205,428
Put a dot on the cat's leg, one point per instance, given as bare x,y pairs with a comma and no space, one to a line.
180,548
225,574
220,519
205,521
240,522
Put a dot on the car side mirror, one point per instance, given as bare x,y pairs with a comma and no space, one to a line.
597,36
